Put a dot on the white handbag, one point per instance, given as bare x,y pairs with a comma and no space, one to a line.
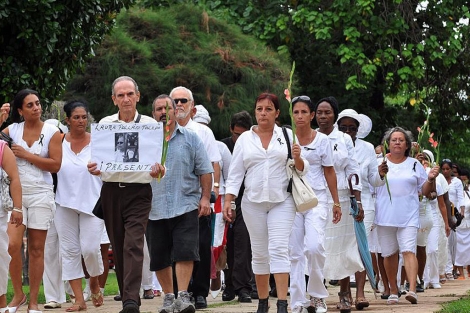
304,196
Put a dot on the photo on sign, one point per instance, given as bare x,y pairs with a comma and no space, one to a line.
126,147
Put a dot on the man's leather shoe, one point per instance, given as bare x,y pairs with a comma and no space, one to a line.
228,295
200,303
244,297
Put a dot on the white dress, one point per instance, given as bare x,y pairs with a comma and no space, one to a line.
462,257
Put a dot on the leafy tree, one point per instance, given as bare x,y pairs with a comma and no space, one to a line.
45,41
371,54
182,45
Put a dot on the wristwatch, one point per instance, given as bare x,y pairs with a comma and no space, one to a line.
216,185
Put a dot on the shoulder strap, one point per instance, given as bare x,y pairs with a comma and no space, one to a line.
138,118
286,136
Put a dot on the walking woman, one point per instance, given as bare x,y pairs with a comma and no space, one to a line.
358,126
8,165
307,239
259,158
340,242
38,151
397,213
78,229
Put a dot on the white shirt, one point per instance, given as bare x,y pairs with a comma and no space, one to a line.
207,137
456,192
33,178
76,188
318,153
264,170
224,165
364,154
405,180
344,162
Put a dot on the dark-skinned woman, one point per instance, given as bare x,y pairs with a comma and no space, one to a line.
340,239
358,126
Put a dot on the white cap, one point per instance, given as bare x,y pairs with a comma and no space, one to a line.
429,155
365,123
202,115
55,122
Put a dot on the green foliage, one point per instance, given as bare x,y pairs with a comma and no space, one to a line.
45,41
183,46
366,51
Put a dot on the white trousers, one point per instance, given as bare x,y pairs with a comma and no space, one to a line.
307,243
451,246
4,256
147,279
54,289
79,235
269,226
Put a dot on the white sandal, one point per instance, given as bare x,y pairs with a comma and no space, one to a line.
4,310
392,299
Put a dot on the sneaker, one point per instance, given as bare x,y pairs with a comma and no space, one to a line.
319,305
299,309
183,304
435,286
419,287
168,303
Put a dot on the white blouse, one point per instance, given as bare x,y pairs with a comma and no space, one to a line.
405,180
76,187
264,170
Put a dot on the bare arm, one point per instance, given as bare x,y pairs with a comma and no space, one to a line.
206,187
10,167
330,176
216,167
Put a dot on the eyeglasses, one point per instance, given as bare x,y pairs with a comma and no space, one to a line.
347,128
182,100
120,142
301,98
398,141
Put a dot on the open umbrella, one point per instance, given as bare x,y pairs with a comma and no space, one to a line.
361,235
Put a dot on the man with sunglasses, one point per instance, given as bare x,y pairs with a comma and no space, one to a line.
126,199
184,108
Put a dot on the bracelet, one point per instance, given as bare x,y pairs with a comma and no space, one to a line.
430,181
17,210
337,204
358,202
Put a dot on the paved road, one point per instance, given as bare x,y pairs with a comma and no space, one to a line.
429,301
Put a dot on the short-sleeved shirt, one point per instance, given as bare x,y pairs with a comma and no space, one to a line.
178,192
405,180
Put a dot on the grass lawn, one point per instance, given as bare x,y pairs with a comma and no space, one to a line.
459,306
110,289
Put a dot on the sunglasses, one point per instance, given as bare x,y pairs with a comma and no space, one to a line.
347,128
301,98
446,160
120,142
182,100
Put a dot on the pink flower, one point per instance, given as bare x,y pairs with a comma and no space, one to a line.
287,94
419,129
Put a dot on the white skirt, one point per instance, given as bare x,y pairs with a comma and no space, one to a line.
462,254
342,254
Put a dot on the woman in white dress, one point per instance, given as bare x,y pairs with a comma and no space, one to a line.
462,255
78,229
358,126
307,238
38,151
340,241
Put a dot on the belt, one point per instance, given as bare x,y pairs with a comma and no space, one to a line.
124,185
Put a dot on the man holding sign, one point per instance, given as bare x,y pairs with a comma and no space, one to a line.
126,195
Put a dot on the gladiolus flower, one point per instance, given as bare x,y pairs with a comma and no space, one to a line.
287,94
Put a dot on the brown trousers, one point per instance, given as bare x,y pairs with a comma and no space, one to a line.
126,209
